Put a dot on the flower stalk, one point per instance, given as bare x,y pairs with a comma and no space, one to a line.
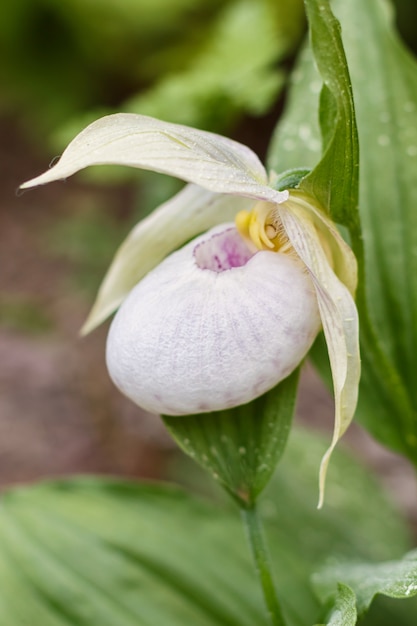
256,536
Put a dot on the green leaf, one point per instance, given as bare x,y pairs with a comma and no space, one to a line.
395,579
384,79
107,553
296,142
93,552
387,119
344,609
240,447
386,611
300,537
350,521
334,180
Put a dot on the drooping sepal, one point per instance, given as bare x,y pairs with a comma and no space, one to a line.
338,312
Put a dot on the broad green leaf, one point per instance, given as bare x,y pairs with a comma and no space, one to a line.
355,517
350,521
406,19
384,79
385,611
344,610
387,119
395,579
240,447
296,142
93,552
106,553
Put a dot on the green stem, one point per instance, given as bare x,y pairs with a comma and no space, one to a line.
255,533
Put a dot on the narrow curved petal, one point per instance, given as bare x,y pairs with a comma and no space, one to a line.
339,318
189,213
206,159
214,326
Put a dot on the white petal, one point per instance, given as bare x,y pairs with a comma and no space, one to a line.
206,159
190,212
191,340
339,318
344,261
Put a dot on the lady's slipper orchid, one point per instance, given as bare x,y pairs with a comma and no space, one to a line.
225,318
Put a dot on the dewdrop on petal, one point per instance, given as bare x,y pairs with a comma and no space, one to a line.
215,325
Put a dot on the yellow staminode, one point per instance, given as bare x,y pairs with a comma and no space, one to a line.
263,228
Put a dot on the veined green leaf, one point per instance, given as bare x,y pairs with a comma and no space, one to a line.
240,447
90,552
350,520
344,609
395,579
296,142
384,79
102,552
334,179
387,120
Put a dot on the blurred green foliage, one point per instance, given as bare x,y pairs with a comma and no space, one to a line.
86,239
200,62
406,11
64,56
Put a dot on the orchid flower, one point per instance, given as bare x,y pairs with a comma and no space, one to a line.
224,319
